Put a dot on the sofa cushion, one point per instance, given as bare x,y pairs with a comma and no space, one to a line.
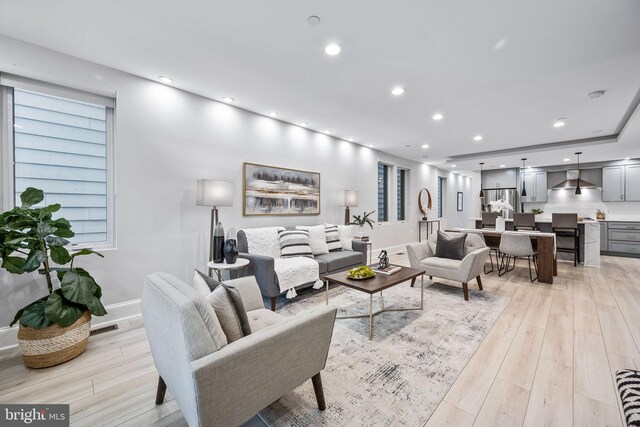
323,266
446,263
339,260
346,232
333,238
317,238
450,246
202,283
262,318
227,303
294,243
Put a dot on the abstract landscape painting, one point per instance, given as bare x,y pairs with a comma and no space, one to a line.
269,190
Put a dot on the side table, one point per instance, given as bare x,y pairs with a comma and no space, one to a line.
219,267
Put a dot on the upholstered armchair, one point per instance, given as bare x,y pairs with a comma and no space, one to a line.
215,383
422,257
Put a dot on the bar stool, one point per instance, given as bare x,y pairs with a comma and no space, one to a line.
566,225
515,245
524,221
489,221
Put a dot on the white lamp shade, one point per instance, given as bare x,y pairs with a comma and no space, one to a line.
349,198
214,193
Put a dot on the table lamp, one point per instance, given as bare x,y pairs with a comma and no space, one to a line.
215,194
348,199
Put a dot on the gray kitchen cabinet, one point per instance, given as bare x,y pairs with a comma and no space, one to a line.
536,185
500,178
604,237
613,179
632,183
623,238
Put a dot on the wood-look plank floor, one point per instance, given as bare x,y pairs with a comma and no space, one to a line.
550,359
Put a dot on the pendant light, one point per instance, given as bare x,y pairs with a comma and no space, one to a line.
524,190
481,192
578,189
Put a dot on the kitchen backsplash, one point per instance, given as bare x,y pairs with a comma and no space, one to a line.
586,204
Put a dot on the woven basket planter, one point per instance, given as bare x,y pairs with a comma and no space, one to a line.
42,348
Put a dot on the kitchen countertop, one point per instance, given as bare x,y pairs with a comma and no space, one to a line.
547,220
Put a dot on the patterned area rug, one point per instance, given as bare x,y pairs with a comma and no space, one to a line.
400,376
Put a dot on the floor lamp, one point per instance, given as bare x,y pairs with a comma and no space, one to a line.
215,194
348,199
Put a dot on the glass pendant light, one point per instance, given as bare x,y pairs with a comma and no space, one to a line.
524,190
578,189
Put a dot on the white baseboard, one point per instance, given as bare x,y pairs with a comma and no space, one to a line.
115,313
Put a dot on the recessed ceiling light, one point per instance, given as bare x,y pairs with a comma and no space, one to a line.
477,138
453,166
351,139
566,160
425,145
370,145
627,158
500,44
165,79
332,49
438,116
227,99
303,124
559,123
503,166
313,20
397,91
273,114
328,132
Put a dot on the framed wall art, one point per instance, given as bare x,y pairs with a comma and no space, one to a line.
271,190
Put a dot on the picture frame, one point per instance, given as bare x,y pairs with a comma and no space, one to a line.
460,201
277,191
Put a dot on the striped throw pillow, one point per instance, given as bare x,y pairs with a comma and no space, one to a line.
333,238
294,243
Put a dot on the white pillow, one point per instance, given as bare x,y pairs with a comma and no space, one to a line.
346,233
263,241
317,238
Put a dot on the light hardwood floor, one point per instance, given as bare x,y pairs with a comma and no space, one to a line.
549,360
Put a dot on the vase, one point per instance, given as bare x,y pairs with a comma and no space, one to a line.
218,243
53,345
500,224
230,251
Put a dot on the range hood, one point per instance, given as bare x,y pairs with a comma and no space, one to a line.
572,182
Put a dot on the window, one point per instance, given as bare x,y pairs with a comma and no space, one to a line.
440,196
63,146
383,192
402,193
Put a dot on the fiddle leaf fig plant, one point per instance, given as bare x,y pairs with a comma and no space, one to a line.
30,240
363,219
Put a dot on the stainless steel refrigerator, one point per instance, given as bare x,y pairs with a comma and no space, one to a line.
509,195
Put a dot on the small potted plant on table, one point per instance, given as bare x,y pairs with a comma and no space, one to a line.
55,328
361,221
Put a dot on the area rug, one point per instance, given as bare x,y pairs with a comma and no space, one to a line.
399,377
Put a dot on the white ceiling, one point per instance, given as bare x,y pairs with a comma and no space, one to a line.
446,53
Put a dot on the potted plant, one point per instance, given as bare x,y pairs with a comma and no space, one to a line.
54,328
361,221
502,207
537,212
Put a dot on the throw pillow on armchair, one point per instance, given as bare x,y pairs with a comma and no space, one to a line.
450,246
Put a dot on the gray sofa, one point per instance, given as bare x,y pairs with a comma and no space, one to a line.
262,266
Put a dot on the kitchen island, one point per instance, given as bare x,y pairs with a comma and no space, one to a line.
589,239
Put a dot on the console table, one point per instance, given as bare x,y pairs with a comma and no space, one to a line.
429,223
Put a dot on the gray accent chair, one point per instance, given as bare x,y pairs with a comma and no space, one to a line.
422,257
215,383
514,245
262,266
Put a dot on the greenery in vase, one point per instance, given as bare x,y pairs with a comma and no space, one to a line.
363,219
31,238
537,211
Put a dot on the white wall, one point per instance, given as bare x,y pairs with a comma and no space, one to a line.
166,139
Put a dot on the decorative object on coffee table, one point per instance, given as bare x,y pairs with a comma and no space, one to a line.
424,206
270,190
55,328
348,199
383,260
216,194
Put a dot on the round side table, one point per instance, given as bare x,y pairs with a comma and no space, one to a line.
219,267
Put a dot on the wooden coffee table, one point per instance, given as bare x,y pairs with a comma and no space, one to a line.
374,285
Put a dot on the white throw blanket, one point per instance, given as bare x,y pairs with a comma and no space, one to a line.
296,271
291,272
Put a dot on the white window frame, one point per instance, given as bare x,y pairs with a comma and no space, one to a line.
7,201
